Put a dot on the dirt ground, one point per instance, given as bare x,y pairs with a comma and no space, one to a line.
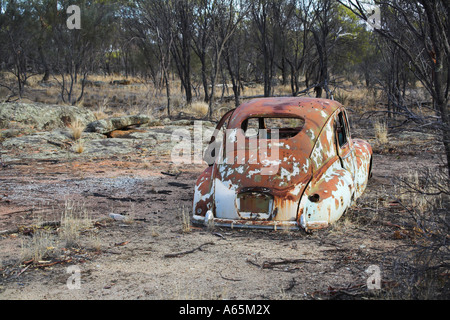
138,258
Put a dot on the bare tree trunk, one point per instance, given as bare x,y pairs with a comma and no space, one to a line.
45,64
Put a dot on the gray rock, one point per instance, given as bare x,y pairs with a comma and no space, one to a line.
116,216
41,116
59,144
105,126
12,133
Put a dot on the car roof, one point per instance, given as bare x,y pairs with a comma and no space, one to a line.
314,111
293,152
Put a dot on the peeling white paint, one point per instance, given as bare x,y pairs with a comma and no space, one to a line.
253,172
225,199
268,163
297,189
311,134
306,165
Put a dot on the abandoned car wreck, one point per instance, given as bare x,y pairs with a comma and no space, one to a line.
282,163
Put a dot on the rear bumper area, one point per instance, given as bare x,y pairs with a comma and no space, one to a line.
254,224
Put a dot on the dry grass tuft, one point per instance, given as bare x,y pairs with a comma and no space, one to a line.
74,220
48,241
76,129
381,132
100,113
39,247
186,221
79,146
198,108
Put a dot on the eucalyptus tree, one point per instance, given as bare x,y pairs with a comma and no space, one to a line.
201,40
150,27
261,18
77,52
420,30
17,30
226,16
181,25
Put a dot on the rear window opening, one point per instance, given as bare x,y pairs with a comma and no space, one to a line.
287,127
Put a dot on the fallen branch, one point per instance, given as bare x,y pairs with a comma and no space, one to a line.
173,255
230,98
253,263
350,290
171,174
353,290
229,279
23,270
49,264
271,264
41,264
390,224
278,264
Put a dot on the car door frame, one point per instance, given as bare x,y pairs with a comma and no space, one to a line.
345,151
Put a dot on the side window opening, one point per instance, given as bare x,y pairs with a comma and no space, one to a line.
341,130
251,127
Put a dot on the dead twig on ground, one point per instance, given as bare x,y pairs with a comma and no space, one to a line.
350,290
171,174
23,270
229,279
280,265
174,255
356,290
49,264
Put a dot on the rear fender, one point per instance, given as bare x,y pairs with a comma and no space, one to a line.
363,152
326,198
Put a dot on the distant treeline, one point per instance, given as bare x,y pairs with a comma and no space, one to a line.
305,45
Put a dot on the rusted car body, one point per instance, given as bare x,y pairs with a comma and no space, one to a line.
306,175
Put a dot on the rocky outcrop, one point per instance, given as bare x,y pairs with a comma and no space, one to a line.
58,144
106,126
37,131
41,116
